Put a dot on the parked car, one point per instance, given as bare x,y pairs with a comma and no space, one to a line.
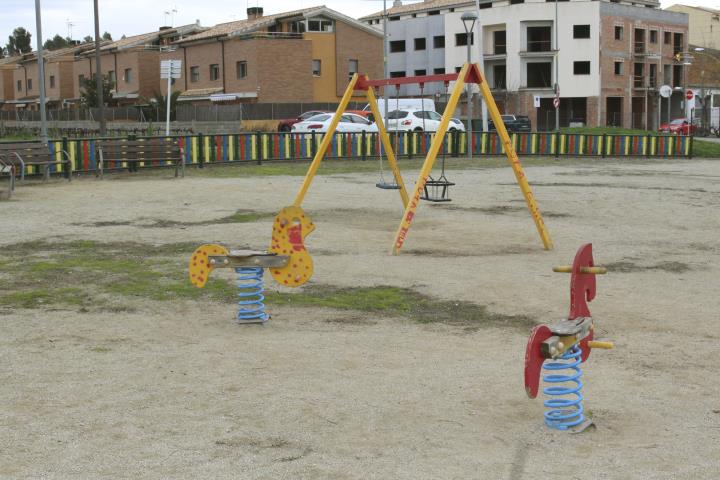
679,126
286,125
412,120
513,123
403,104
349,122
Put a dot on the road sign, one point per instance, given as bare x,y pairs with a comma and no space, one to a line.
689,94
536,99
556,102
665,91
171,69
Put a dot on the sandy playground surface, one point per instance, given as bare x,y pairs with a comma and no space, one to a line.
177,390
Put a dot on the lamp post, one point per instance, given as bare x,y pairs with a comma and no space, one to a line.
41,72
469,18
98,70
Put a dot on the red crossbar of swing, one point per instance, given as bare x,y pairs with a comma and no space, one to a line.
363,84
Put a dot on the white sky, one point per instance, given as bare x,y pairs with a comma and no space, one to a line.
132,17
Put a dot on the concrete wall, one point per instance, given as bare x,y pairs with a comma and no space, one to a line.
704,26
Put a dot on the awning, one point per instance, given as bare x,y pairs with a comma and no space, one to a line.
20,105
125,95
223,97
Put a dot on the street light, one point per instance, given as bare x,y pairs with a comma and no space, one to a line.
469,18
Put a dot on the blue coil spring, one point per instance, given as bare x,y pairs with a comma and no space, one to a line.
251,306
568,411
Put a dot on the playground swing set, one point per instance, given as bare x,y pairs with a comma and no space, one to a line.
566,343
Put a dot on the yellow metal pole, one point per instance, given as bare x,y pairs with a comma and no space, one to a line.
515,163
372,101
325,143
569,269
429,161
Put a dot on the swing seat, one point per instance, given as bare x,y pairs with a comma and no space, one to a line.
437,190
388,186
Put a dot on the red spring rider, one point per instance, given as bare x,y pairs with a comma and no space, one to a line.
566,344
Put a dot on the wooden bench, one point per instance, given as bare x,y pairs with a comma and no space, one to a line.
152,151
24,154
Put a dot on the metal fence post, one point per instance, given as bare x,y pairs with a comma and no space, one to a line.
602,145
201,153
260,147
557,145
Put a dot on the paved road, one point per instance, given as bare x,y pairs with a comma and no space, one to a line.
709,139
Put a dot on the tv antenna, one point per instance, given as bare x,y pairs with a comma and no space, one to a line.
171,14
70,26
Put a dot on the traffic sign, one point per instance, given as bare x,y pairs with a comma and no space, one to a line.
170,69
556,102
665,91
536,101
689,94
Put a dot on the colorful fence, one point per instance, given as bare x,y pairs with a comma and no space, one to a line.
260,147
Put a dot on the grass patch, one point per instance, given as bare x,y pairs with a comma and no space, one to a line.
400,302
705,149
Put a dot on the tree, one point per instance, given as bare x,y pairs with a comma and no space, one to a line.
89,96
158,109
88,39
107,36
56,43
19,42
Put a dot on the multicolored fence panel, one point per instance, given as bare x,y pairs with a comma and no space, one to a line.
261,147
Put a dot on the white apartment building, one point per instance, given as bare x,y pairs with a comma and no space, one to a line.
612,57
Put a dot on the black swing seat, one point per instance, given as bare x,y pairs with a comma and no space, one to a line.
437,190
387,186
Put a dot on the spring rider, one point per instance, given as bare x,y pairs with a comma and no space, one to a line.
560,348
287,259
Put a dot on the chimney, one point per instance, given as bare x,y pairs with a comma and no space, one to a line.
254,13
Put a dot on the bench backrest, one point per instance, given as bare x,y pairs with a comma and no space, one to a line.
29,151
139,150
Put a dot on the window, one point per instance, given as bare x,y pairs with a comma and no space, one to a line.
81,81
539,75
667,38
457,69
461,39
194,74
316,67
653,36
397,74
52,81
439,71
618,68
353,67
214,71
19,85
298,27
499,42
395,18
499,75
397,46
639,75
419,44
618,32
486,5
439,41
319,25
434,12
420,72
539,39
112,77
241,69
581,68
29,83
515,2
581,31
128,75
652,78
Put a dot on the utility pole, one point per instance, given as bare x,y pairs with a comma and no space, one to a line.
557,70
41,72
98,71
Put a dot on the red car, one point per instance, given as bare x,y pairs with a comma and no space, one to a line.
286,125
679,126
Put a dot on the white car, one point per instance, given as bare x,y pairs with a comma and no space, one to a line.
349,122
411,120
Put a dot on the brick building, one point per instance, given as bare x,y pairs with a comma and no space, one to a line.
7,91
305,55
608,58
131,63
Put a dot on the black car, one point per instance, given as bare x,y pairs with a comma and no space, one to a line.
513,123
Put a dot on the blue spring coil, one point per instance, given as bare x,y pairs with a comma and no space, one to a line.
568,411
251,299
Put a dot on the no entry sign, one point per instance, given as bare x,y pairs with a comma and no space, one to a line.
689,94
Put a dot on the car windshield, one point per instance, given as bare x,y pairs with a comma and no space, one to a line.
307,115
319,118
506,117
678,121
395,114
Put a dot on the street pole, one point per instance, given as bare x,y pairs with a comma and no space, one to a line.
169,97
481,62
557,69
385,63
41,72
98,71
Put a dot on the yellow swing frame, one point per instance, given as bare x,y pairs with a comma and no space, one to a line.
470,73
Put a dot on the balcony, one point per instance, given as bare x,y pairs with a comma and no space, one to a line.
538,48
640,48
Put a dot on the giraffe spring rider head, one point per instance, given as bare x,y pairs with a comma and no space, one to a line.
561,347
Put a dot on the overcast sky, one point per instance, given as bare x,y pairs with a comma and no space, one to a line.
132,17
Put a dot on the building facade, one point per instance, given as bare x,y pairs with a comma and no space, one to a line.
610,57
704,25
306,55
